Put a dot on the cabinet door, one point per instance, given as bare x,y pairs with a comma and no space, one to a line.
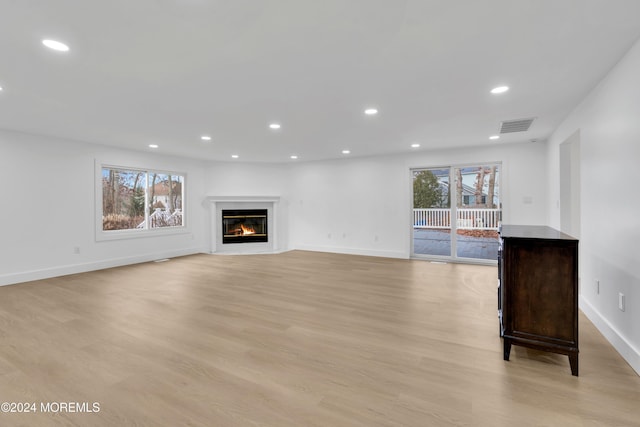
542,291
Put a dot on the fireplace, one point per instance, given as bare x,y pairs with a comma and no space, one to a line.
244,226
268,205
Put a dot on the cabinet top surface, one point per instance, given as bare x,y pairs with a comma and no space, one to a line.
532,232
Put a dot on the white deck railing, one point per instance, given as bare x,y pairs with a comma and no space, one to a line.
163,218
467,219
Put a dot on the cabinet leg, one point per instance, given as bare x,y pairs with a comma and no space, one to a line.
507,348
573,361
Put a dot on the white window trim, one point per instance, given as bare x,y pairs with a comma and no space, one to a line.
102,235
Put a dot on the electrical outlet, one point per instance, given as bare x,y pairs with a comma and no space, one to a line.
621,301
597,287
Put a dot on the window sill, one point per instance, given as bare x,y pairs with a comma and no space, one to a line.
105,236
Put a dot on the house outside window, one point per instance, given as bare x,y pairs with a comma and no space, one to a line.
470,200
141,200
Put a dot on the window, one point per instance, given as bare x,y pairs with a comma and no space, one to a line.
141,199
468,200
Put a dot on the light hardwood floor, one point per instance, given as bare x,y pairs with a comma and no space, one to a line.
295,339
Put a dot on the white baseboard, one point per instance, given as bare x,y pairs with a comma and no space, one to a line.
46,273
353,251
274,252
617,340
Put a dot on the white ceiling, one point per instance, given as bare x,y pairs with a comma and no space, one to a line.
169,71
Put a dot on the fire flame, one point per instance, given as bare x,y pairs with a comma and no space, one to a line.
247,230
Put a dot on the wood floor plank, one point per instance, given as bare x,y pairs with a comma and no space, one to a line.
294,339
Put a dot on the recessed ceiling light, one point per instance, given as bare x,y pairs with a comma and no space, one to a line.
415,145
499,89
0,88
205,138
294,157
274,125
234,156
371,111
494,137
153,145
55,45
346,152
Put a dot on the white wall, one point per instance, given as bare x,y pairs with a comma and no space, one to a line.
47,208
246,179
351,206
357,205
609,125
236,179
363,205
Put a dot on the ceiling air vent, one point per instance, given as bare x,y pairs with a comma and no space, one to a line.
520,125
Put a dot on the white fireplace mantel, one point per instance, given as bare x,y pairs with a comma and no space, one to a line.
217,203
243,199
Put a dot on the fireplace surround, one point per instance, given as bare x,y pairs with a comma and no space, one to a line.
271,204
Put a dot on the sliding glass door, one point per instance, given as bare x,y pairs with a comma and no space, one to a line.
431,212
478,212
456,213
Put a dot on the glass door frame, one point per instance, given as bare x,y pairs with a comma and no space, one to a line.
431,257
453,209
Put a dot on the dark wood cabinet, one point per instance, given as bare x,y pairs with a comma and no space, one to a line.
538,290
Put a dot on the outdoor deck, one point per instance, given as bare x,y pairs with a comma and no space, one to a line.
438,242
432,232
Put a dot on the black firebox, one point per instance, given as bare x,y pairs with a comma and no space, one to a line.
244,226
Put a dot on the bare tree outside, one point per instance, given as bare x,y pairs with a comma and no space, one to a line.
165,200
458,187
492,187
127,193
480,198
